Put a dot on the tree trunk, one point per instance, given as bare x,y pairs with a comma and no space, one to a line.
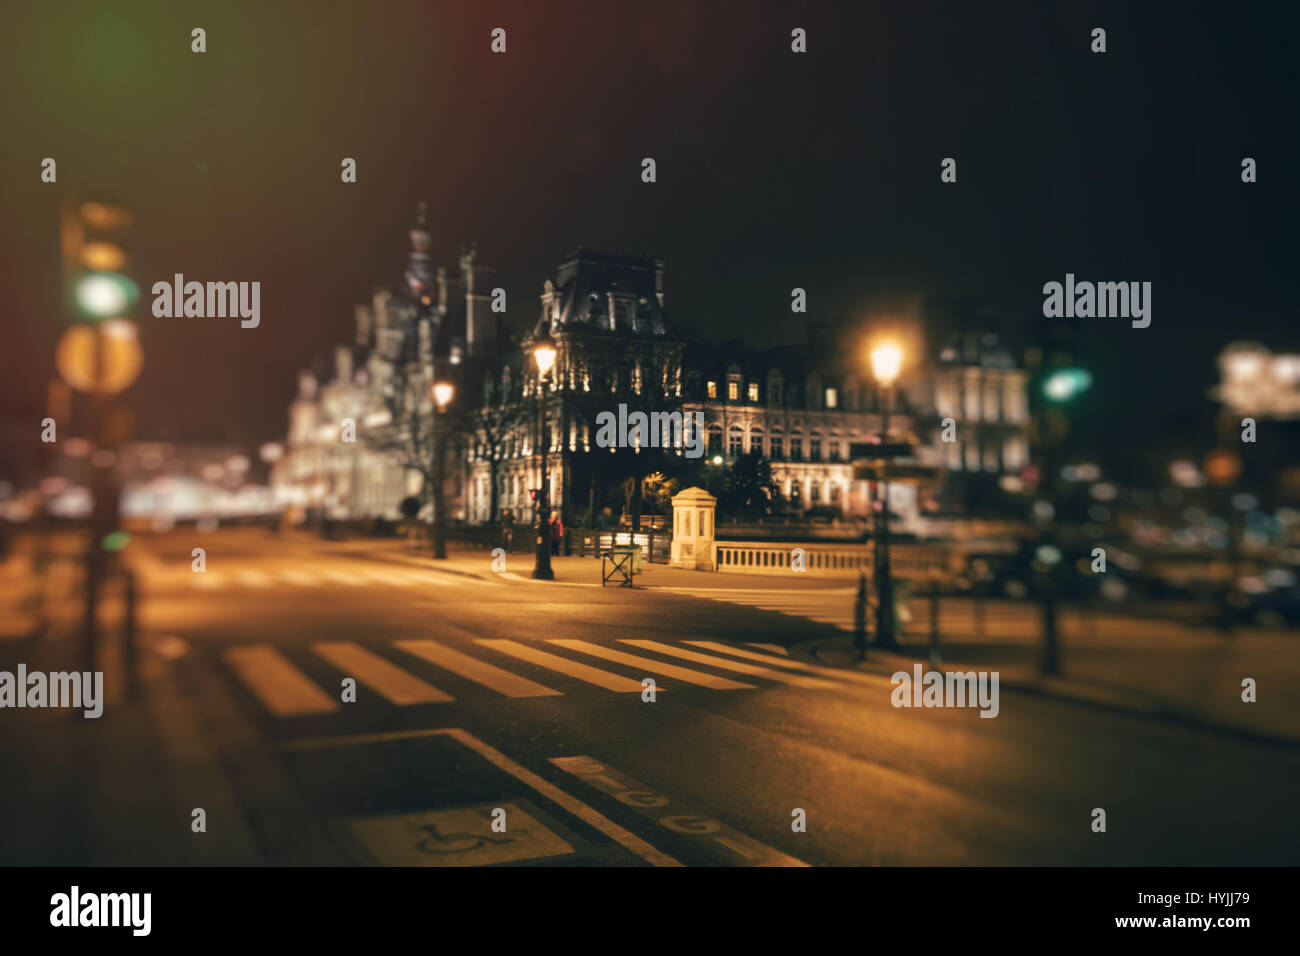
636,503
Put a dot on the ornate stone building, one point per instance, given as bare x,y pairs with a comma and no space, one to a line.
799,407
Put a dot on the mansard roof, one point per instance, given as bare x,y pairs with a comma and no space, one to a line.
585,280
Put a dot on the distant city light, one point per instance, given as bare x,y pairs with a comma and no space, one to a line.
1245,502
1104,491
1185,474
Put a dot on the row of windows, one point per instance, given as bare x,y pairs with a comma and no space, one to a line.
831,396
776,447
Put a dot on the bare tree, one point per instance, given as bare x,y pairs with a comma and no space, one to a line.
404,428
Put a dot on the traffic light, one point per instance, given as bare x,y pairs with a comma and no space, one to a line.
1065,384
95,260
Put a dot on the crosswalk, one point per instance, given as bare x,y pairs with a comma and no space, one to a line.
273,579
399,673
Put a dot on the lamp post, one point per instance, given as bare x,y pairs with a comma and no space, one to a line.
886,363
441,391
544,354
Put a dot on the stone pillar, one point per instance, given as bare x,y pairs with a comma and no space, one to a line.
694,510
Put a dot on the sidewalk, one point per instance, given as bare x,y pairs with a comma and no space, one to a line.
586,572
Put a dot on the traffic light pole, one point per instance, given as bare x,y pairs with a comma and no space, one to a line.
98,489
1051,661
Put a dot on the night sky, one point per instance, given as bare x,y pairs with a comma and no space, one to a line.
775,170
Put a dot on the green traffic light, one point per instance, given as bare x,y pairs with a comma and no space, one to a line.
105,295
115,541
1064,384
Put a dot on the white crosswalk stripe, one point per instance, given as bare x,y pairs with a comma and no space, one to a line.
725,664
314,577
390,681
653,667
471,668
583,672
254,579
286,691
282,688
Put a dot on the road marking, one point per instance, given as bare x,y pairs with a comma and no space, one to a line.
726,665
388,680
655,667
253,579
763,592
592,675
377,576
305,579
671,815
339,576
283,689
480,672
402,579
625,838
460,836
789,664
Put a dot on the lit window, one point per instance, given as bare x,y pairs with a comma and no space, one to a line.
713,390
752,391
733,390
832,398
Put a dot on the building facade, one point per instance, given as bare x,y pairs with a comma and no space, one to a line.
798,407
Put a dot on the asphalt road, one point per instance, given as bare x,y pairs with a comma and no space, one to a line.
468,701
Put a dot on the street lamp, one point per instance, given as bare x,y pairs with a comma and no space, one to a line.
886,364
544,354
441,391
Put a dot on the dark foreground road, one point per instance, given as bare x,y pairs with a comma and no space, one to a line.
516,701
